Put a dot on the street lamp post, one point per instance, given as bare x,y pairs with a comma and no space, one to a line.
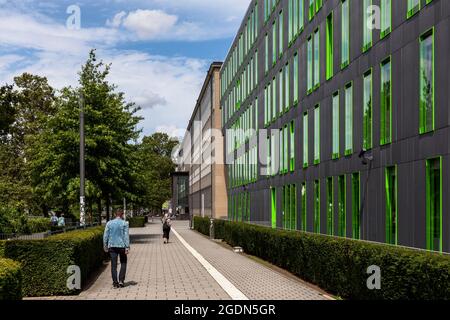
82,167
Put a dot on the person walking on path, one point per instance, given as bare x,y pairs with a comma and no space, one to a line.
167,224
116,241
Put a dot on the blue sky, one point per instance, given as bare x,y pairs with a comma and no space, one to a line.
160,50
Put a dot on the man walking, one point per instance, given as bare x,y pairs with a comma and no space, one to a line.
116,241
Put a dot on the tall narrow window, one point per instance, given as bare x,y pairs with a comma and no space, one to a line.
281,92
295,18
434,204
293,207
304,206
345,32
367,111
391,205
386,103
385,18
301,15
286,149
310,64
273,197
356,214
335,124
292,146
330,207
296,72
274,43
285,207
427,82
367,30
274,98
287,95
316,58
281,148
280,35
317,206
311,9
342,207
305,140
291,20
266,60
413,7
349,119
330,47
317,134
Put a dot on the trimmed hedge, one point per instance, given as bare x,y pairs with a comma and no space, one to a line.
45,262
339,265
38,225
136,222
202,225
10,280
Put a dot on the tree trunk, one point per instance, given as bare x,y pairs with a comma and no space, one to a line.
107,209
45,210
99,210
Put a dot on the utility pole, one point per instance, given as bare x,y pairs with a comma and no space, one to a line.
82,167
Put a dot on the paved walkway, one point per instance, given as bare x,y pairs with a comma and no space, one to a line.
206,271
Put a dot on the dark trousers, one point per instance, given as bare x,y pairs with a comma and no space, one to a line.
115,253
166,232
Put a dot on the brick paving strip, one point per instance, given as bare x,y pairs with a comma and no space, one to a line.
158,271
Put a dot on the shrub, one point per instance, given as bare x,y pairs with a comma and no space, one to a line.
202,225
38,225
10,280
45,262
136,222
340,265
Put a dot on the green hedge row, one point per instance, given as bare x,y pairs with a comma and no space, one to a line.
45,262
10,280
202,225
136,222
340,265
38,225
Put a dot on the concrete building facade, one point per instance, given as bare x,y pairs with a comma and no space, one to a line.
201,152
349,120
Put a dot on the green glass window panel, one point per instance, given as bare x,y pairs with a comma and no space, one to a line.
318,5
367,112
274,98
329,47
427,83
317,206
349,120
335,124
293,206
317,135
280,36
356,214
295,9
386,103
287,96
310,65
385,17
367,30
330,207
304,207
301,14
296,83
413,7
266,61
305,141
342,221
291,20
434,204
311,9
274,43
281,148
391,206
281,92
292,145
274,207
345,33
316,58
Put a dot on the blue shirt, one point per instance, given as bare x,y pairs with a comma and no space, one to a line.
116,234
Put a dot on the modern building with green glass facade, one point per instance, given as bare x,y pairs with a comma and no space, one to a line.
336,119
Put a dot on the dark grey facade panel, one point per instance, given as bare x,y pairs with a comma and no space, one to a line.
408,151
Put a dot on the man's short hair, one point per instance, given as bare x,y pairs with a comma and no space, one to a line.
119,212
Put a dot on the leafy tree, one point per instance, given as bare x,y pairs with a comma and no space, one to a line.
110,129
155,167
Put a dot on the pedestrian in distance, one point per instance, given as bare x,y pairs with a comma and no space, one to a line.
116,242
54,219
61,221
167,225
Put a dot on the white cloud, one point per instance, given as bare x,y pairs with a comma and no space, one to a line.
149,24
